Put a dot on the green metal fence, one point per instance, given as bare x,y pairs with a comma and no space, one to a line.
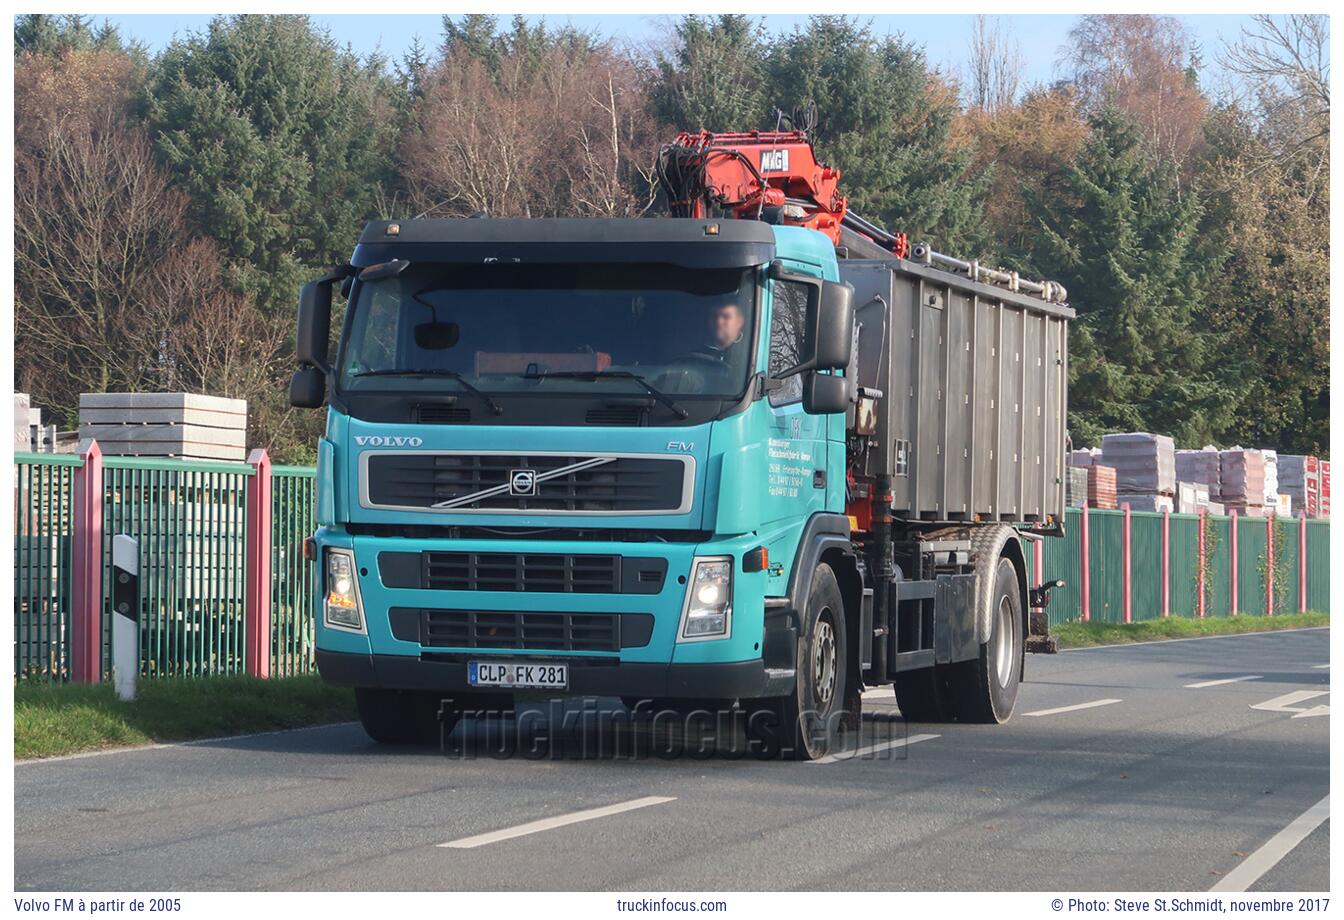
43,520
293,493
189,519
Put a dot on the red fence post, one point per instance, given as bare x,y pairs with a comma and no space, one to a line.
1302,563
1166,563
1203,562
86,576
1124,565
1269,564
1232,564
257,578
1085,569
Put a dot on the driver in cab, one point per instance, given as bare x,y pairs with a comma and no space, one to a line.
727,325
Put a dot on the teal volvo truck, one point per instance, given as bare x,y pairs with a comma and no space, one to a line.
695,460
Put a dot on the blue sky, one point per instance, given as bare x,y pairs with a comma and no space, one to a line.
944,37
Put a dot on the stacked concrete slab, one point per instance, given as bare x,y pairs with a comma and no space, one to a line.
184,425
1075,486
1242,481
1145,464
1147,502
1200,466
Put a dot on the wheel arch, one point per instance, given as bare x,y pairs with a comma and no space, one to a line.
988,546
826,539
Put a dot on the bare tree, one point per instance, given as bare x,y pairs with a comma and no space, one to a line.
113,289
1144,66
562,131
1290,53
1285,63
995,65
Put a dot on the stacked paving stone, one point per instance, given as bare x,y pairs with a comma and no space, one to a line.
1100,486
1200,466
1242,481
1145,469
1075,486
183,425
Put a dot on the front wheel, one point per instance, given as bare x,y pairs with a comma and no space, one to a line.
402,716
805,724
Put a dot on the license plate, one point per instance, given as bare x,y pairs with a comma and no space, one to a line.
518,674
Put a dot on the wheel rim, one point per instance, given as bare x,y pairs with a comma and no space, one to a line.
1003,641
823,659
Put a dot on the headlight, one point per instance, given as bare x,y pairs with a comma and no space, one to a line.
342,606
709,600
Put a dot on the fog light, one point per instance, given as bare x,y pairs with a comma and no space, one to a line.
709,601
342,606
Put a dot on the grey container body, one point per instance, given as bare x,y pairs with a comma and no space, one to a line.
972,425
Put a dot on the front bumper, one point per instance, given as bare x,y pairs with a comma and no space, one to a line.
727,680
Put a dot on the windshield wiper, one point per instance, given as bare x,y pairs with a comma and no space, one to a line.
495,407
614,375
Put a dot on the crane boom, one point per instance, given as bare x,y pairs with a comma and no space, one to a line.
775,176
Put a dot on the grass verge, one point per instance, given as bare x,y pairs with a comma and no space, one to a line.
51,719
1082,635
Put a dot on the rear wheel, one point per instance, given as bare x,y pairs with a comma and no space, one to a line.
805,723
987,685
923,695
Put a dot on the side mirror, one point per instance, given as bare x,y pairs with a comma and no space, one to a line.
314,332
824,394
833,329
308,388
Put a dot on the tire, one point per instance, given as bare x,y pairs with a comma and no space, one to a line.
923,695
987,686
805,723
402,716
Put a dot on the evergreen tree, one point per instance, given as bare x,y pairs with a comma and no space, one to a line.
714,78
1118,233
282,141
887,123
45,34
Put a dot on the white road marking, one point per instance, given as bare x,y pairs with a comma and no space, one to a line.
1288,702
1226,680
879,693
1320,666
1313,711
1074,708
1277,847
873,749
546,824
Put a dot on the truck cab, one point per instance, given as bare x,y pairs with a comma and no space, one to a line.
586,457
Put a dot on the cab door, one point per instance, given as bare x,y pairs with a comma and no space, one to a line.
796,452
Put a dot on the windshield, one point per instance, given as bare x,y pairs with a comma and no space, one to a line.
504,328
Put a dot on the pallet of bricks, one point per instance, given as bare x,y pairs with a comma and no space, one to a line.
1305,481
1099,487
1241,474
1198,481
1145,469
188,426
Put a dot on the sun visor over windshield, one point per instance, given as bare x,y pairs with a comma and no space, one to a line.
687,243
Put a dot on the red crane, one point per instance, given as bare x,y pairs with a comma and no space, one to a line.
763,175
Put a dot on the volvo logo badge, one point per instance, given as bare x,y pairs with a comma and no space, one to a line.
522,482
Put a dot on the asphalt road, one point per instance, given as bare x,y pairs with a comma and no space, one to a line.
1167,787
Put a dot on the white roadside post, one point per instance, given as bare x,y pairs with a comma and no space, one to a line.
125,615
